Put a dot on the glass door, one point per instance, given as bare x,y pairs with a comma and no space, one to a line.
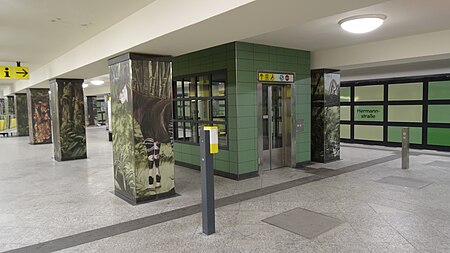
273,127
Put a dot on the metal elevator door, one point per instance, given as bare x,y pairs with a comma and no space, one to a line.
273,127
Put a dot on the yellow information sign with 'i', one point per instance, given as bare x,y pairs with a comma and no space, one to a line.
12,72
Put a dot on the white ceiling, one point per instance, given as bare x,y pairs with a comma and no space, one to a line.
38,32
404,17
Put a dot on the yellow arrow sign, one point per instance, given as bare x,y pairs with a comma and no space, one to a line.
11,72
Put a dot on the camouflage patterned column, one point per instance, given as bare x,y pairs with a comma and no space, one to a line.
20,100
325,115
69,129
141,98
39,121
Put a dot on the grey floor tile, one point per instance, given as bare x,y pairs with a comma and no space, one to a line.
404,181
304,222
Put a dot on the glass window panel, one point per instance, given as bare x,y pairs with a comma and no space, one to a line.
203,110
405,113
192,88
188,131
179,89
222,135
439,90
370,133
405,91
218,84
345,94
395,134
438,136
188,110
369,93
345,113
345,131
203,86
369,113
219,108
179,109
186,88
179,131
439,114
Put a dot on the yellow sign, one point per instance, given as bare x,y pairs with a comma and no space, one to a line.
276,77
262,76
213,139
11,72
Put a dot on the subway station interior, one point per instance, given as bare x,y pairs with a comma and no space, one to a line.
225,126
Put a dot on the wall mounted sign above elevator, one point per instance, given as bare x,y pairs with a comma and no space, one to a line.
275,77
12,72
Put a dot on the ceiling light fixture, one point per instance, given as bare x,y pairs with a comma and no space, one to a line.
362,23
97,82
85,85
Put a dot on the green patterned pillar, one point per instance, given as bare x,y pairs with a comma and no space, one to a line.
21,114
142,128
325,115
69,129
39,121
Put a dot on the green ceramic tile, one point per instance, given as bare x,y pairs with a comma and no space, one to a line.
439,90
245,64
247,167
258,48
247,99
303,157
243,46
246,133
246,111
246,122
439,114
233,168
243,54
395,134
247,145
233,156
263,65
246,87
246,76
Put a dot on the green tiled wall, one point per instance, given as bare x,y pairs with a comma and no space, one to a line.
242,61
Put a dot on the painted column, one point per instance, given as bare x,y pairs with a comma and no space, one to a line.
20,100
325,115
91,110
39,120
69,129
141,105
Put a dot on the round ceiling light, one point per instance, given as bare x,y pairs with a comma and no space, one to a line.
97,82
362,23
85,85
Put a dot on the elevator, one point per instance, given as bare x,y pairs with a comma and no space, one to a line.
276,117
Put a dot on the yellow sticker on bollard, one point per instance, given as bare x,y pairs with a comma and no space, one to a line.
213,139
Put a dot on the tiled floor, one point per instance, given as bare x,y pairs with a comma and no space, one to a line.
42,200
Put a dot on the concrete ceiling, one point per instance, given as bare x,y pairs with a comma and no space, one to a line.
74,38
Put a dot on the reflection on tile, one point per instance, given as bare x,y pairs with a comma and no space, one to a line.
405,182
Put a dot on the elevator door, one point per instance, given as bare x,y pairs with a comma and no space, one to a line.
273,127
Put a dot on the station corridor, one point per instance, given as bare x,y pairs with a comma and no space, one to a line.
49,206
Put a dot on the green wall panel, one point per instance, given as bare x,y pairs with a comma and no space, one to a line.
405,91
395,134
439,90
405,113
439,136
345,131
370,133
439,114
345,94
369,93
242,61
369,113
